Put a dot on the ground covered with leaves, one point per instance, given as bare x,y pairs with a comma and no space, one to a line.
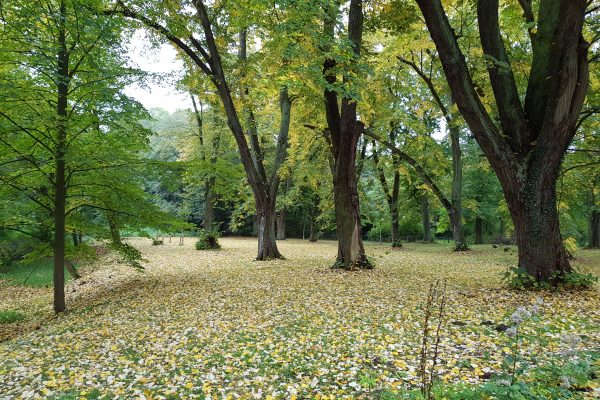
215,324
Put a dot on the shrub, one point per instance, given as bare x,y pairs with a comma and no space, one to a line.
208,241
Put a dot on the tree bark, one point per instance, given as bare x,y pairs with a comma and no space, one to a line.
344,131
478,230
75,238
527,147
281,224
115,234
427,236
60,190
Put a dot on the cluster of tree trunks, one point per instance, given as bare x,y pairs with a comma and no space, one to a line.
527,146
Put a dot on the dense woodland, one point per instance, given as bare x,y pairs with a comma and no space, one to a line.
470,121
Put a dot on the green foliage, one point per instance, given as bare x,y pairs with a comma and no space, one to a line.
10,316
129,255
518,278
208,241
36,273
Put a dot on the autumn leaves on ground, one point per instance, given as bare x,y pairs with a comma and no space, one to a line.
213,324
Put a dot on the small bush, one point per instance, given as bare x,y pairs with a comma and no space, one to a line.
156,242
577,280
10,316
208,241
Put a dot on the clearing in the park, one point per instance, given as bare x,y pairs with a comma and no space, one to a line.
213,324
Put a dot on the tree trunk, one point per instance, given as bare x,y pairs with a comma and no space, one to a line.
478,230
344,132
209,207
71,270
595,230
255,225
313,230
115,234
267,246
541,250
60,182
427,237
524,141
280,217
75,238
456,219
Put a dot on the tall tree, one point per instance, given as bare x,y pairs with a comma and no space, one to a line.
60,113
526,148
345,130
207,56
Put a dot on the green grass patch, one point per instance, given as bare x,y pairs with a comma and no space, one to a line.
10,316
36,273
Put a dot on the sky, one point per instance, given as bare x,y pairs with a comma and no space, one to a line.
161,60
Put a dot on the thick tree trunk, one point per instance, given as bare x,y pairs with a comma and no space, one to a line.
267,246
427,236
281,224
478,230
541,250
60,182
526,146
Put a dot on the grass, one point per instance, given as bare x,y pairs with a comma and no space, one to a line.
10,316
36,273
216,323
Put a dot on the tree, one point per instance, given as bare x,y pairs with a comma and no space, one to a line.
61,114
526,148
344,132
207,56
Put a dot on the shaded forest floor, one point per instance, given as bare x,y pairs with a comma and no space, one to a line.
209,324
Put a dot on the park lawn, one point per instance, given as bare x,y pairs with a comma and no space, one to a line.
36,273
213,324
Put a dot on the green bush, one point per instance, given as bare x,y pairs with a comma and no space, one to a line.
518,278
10,316
208,241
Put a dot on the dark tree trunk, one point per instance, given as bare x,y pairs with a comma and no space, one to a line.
427,237
478,230
541,250
60,190
75,238
344,131
525,148
396,242
595,229
281,224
